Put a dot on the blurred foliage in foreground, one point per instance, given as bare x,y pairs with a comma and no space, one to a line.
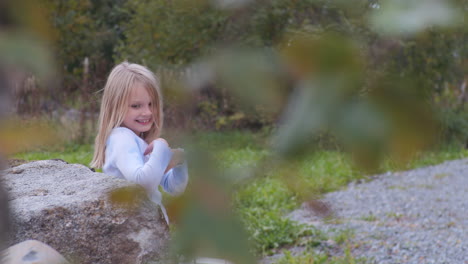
23,51
375,75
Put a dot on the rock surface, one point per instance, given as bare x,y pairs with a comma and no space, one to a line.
68,207
32,251
4,215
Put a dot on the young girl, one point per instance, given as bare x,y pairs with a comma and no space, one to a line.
127,144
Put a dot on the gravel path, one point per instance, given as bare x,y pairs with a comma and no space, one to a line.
418,216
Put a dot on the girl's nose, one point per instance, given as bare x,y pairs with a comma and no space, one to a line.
147,110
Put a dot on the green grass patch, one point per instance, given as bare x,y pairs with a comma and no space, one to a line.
428,158
264,202
262,205
307,257
344,236
369,218
72,153
440,176
241,158
327,171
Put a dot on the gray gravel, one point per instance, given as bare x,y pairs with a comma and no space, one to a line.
417,216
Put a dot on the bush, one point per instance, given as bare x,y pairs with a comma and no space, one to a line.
452,113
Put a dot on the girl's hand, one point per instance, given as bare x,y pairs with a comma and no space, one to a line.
149,149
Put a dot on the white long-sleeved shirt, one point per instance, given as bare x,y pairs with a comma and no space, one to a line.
124,159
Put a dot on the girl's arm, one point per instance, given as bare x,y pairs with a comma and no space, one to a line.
178,157
175,176
175,180
130,161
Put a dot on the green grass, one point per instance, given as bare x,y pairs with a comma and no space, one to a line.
369,218
344,236
278,188
308,258
241,158
72,153
262,205
327,171
428,158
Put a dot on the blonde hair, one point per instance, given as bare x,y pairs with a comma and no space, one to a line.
114,105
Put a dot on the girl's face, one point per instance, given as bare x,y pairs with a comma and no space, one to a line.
139,117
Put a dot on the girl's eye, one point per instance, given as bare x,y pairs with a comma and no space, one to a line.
150,104
135,106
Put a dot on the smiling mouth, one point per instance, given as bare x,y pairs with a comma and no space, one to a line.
144,121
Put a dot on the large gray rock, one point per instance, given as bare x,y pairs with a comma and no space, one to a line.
68,207
4,215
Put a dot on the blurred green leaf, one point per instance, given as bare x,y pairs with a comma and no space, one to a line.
204,233
17,135
206,223
385,119
254,76
22,49
231,4
405,17
329,74
306,114
128,197
307,55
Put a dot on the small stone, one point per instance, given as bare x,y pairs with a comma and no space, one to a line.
32,251
16,171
